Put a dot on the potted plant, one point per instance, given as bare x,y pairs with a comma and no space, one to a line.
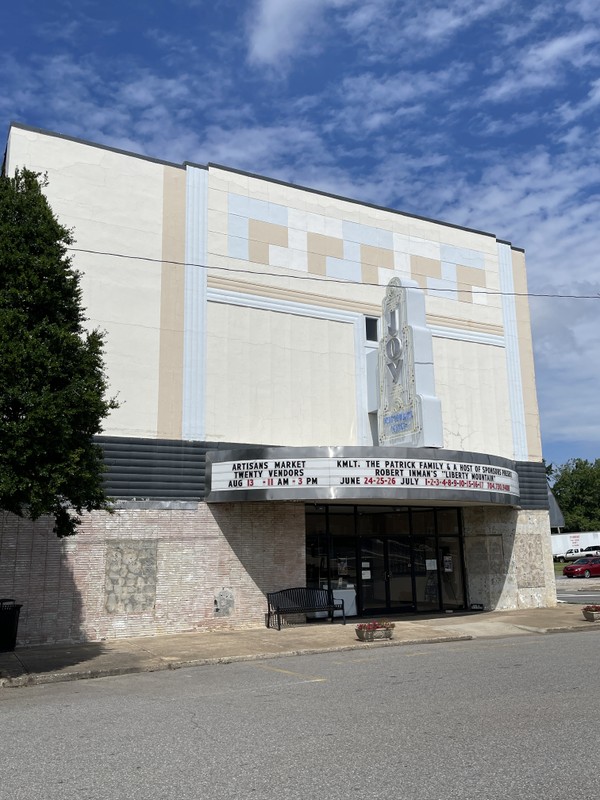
368,631
591,613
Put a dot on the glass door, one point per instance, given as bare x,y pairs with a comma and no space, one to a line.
427,595
451,573
373,573
386,575
400,575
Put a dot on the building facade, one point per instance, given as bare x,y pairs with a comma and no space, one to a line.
313,391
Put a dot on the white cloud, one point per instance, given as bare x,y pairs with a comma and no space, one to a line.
277,150
60,30
544,65
147,89
570,111
534,20
368,104
570,48
565,353
390,91
413,26
586,9
278,29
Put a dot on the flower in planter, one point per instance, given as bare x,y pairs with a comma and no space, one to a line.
592,608
375,626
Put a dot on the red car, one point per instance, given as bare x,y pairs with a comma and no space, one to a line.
582,568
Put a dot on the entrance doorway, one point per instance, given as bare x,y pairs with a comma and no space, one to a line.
390,560
386,576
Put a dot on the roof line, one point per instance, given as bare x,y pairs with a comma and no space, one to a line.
87,142
302,188
247,174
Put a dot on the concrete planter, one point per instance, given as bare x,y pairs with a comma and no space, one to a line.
591,616
370,636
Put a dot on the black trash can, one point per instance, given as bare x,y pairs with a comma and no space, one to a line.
9,623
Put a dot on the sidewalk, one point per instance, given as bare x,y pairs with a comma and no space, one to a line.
29,666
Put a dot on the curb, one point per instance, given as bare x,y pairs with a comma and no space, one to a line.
563,629
40,679
160,665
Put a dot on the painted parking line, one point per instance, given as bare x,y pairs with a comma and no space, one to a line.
303,678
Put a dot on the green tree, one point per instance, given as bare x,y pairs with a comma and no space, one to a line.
577,490
52,381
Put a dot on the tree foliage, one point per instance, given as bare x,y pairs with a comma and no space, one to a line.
577,490
52,381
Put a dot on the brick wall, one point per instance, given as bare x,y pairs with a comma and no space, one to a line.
143,571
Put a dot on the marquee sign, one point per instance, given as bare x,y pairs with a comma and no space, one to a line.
361,477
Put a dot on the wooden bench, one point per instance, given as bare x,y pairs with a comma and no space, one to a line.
301,600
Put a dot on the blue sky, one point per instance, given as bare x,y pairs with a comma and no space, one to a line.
483,113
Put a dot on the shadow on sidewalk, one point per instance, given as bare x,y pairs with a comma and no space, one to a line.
48,658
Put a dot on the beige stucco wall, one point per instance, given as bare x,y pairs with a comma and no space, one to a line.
532,419
279,379
291,253
114,203
471,382
172,316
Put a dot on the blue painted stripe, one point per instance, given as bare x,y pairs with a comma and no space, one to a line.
513,359
194,339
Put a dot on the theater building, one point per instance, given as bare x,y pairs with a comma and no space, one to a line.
313,391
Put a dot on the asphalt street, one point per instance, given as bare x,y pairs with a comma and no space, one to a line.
580,597
484,719
578,590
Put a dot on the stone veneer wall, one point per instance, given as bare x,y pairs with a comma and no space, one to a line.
508,558
145,571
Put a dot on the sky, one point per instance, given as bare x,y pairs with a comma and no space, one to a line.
481,113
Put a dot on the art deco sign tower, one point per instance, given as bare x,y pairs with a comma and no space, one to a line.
410,414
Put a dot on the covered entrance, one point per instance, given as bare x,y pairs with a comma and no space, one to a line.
384,559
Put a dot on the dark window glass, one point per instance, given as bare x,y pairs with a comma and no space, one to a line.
316,550
371,329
